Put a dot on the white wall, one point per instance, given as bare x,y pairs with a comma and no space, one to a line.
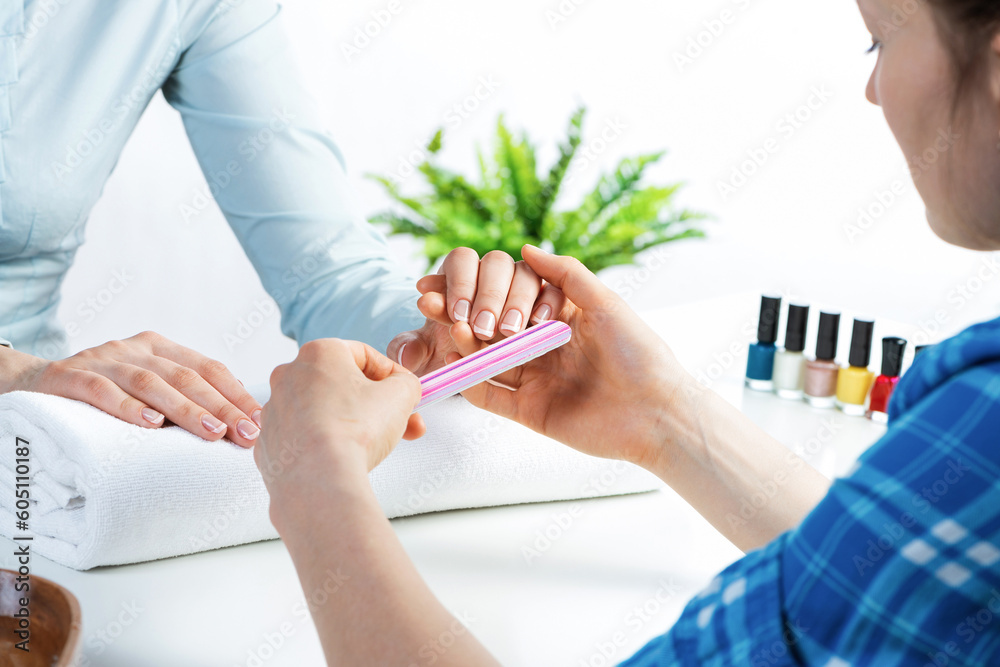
785,230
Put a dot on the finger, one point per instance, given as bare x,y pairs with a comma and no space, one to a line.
240,428
391,380
524,290
465,340
549,305
433,283
461,269
214,372
411,350
495,274
434,306
149,387
378,367
415,427
568,274
99,391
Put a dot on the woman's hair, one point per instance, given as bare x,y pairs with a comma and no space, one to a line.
967,26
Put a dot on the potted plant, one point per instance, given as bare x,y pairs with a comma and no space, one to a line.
511,204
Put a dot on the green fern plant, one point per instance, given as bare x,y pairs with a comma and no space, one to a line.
512,205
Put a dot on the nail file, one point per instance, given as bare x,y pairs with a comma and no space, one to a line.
492,361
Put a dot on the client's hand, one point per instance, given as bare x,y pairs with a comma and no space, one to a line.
496,296
340,407
605,392
144,380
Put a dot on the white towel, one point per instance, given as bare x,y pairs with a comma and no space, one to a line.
105,492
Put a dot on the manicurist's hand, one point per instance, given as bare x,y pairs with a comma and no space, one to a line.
496,296
145,380
334,414
339,407
616,391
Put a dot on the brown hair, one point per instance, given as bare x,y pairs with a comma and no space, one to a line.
967,26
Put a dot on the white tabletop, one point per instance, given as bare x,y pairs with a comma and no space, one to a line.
617,576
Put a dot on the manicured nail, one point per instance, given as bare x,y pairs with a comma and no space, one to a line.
462,310
542,314
541,250
256,417
486,324
399,357
212,424
512,322
246,429
152,416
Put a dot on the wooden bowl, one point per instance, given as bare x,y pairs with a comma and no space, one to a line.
55,623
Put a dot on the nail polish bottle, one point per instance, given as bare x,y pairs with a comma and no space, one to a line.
821,372
760,360
885,384
855,381
790,362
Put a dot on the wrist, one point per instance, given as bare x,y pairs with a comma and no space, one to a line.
674,424
17,369
318,478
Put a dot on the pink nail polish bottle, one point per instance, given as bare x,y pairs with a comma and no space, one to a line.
822,372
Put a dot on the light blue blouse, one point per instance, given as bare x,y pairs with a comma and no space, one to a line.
75,76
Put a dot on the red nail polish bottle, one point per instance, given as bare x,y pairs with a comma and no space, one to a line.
885,384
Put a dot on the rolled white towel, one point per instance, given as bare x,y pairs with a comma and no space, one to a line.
105,492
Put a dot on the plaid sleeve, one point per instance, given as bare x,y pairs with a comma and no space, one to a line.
899,563
736,620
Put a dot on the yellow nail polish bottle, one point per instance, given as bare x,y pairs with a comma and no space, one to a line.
855,381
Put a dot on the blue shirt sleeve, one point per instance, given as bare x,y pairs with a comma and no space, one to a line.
736,620
279,179
897,565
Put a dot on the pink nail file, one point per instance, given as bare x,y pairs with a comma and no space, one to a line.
492,361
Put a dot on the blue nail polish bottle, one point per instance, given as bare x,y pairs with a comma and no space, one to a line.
760,361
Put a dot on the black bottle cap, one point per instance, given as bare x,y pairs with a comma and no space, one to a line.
770,311
795,332
861,344
892,356
919,348
826,338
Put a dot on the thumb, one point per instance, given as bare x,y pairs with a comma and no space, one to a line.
412,350
577,282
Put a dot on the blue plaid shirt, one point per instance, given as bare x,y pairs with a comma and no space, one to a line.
900,562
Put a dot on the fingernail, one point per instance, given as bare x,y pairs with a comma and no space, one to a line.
542,313
246,429
462,310
152,416
512,322
256,417
399,357
541,250
486,324
212,424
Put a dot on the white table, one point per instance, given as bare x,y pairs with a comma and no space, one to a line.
623,570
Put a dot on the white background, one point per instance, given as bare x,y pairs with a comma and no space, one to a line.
786,230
